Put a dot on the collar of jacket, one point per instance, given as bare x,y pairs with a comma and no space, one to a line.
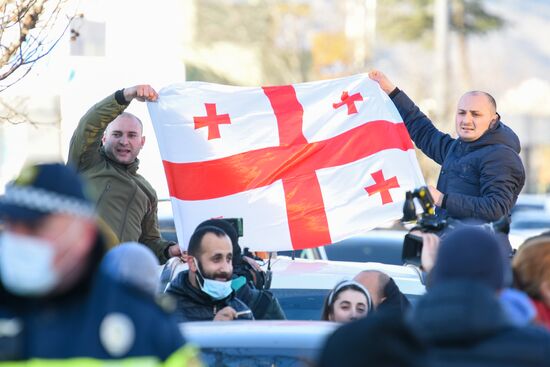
131,168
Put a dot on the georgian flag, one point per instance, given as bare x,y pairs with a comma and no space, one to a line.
304,165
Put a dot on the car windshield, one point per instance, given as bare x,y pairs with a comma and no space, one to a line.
257,357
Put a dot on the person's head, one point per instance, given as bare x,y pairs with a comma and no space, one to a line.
531,266
123,138
476,113
209,257
470,253
230,231
347,301
49,230
133,263
375,281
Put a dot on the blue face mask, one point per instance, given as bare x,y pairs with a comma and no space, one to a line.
26,265
216,289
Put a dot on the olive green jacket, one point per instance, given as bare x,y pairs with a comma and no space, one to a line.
124,199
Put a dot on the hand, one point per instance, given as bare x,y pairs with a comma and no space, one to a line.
252,263
226,314
379,77
142,92
436,195
175,251
430,246
184,256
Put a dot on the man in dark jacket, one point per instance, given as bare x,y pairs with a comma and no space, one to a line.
57,306
262,302
204,292
386,295
461,317
104,149
481,171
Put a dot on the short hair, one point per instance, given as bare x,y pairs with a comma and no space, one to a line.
127,115
195,241
328,305
489,97
531,265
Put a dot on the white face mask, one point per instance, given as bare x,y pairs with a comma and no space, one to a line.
26,265
216,289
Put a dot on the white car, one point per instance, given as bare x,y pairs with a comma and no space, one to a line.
301,285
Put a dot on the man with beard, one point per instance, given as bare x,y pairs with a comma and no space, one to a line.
104,149
204,292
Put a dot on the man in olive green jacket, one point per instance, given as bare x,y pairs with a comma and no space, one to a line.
104,149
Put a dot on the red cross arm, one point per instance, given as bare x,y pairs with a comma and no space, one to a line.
262,167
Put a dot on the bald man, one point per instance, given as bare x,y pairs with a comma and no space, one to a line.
481,171
384,292
104,149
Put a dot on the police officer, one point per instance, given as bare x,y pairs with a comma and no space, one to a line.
56,303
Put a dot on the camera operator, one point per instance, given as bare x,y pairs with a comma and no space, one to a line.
481,171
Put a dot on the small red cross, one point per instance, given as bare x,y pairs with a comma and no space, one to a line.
349,101
382,186
212,120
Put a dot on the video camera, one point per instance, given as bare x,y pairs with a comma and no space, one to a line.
259,278
429,222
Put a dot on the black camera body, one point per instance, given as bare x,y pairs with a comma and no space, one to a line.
429,222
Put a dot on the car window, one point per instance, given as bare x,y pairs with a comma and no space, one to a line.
301,304
258,357
307,304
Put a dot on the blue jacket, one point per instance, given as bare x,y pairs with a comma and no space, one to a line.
480,179
464,324
99,318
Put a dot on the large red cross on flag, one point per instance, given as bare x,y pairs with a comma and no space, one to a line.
297,162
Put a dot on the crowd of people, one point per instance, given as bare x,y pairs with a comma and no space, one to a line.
81,247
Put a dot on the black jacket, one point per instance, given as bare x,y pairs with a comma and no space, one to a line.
263,303
464,325
480,179
192,304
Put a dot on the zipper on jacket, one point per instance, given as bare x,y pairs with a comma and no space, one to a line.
106,190
127,209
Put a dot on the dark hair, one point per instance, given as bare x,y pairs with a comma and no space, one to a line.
229,230
195,241
328,304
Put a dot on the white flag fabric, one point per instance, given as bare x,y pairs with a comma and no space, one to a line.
304,165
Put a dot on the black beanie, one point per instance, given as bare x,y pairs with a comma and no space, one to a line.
469,253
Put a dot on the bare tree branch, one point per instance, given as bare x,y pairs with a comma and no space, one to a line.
29,30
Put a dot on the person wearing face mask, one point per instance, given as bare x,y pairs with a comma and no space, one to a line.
56,303
205,291
348,301
481,171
